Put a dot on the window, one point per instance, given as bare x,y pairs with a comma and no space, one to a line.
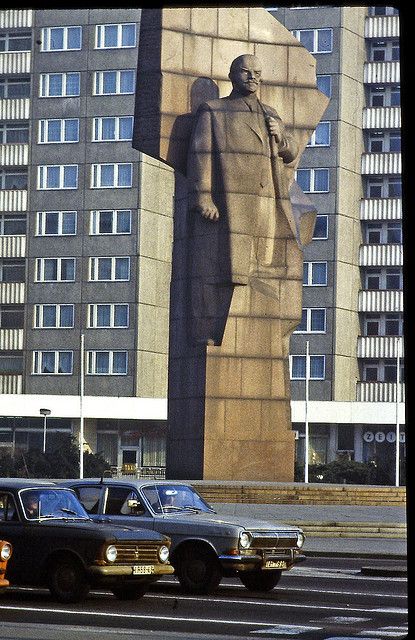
387,278
14,88
112,128
384,51
394,187
313,180
375,187
321,228
321,135
61,38
52,362
382,141
60,176
55,269
107,176
19,41
372,325
312,321
113,363
11,316
62,130
14,132
298,367
110,221
324,84
13,179
385,96
11,362
315,40
12,270
115,36
393,324
12,224
59,85
114,82
384,187
54,316
384,324
56,223
108,269
108,315
381,371
383,232
315,274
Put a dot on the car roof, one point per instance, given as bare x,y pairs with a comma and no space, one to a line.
25,483
138,482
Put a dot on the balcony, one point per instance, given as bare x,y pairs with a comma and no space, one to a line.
382,118
11,339
12,383
16,18
12,246
14,108
15,62
381,209
14,154
379,392
382,73
380,255
382,27
381,163
378,347
380,301
13,200
12,292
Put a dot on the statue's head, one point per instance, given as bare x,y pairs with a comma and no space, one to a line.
245,74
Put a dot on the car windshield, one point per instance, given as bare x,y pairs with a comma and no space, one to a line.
172,498
39,504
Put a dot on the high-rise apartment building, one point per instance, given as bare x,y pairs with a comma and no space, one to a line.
86,232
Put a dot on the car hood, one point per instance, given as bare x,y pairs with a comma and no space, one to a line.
223,519
99,530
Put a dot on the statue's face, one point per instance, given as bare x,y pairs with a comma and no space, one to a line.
246,75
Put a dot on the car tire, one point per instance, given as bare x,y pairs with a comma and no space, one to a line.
129,592
198,570
260,580
67,580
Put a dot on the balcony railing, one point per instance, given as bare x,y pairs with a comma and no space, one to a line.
11,383
380,255
381,163
382,27
379,347
15,18
13,200
15,62
382,118
14,108
12,292
12,246
381,301
379,392
14,154
382,73
381,209
11,339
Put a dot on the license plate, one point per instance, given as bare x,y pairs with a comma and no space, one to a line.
275,564
140,570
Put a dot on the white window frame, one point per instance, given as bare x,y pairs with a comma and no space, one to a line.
97,128
38,316
40,269
297,34
41,223
37,363
100,35
98,87
313,173
309,313
94,222
44,85
310,269
42,177
325,237
94,268
93,315
91,362
96,175
46,39
313,143
312,357
43,131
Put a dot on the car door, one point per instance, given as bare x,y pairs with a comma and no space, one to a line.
25,538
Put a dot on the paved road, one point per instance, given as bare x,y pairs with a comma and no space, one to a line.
321,599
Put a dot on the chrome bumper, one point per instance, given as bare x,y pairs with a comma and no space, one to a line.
108,571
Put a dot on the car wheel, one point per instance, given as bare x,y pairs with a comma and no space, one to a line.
129,592
67,581
198,570
260,580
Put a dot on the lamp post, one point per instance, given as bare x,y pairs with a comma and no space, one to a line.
45,413
306,425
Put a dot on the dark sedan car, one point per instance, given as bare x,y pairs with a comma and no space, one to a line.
56,544
205,546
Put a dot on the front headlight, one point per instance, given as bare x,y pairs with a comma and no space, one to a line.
111,553
164,553
300,539
245,540
5,551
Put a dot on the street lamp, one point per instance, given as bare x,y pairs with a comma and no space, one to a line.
45,413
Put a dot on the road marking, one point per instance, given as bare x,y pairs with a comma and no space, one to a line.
344,620
387,632
288,630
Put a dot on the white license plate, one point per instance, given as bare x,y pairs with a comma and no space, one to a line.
140,570
275,564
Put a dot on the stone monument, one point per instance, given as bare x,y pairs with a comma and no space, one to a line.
240,224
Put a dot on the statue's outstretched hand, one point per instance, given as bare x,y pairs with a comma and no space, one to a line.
276,128
208,210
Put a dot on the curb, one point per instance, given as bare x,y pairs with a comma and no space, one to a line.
354,554
393,572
